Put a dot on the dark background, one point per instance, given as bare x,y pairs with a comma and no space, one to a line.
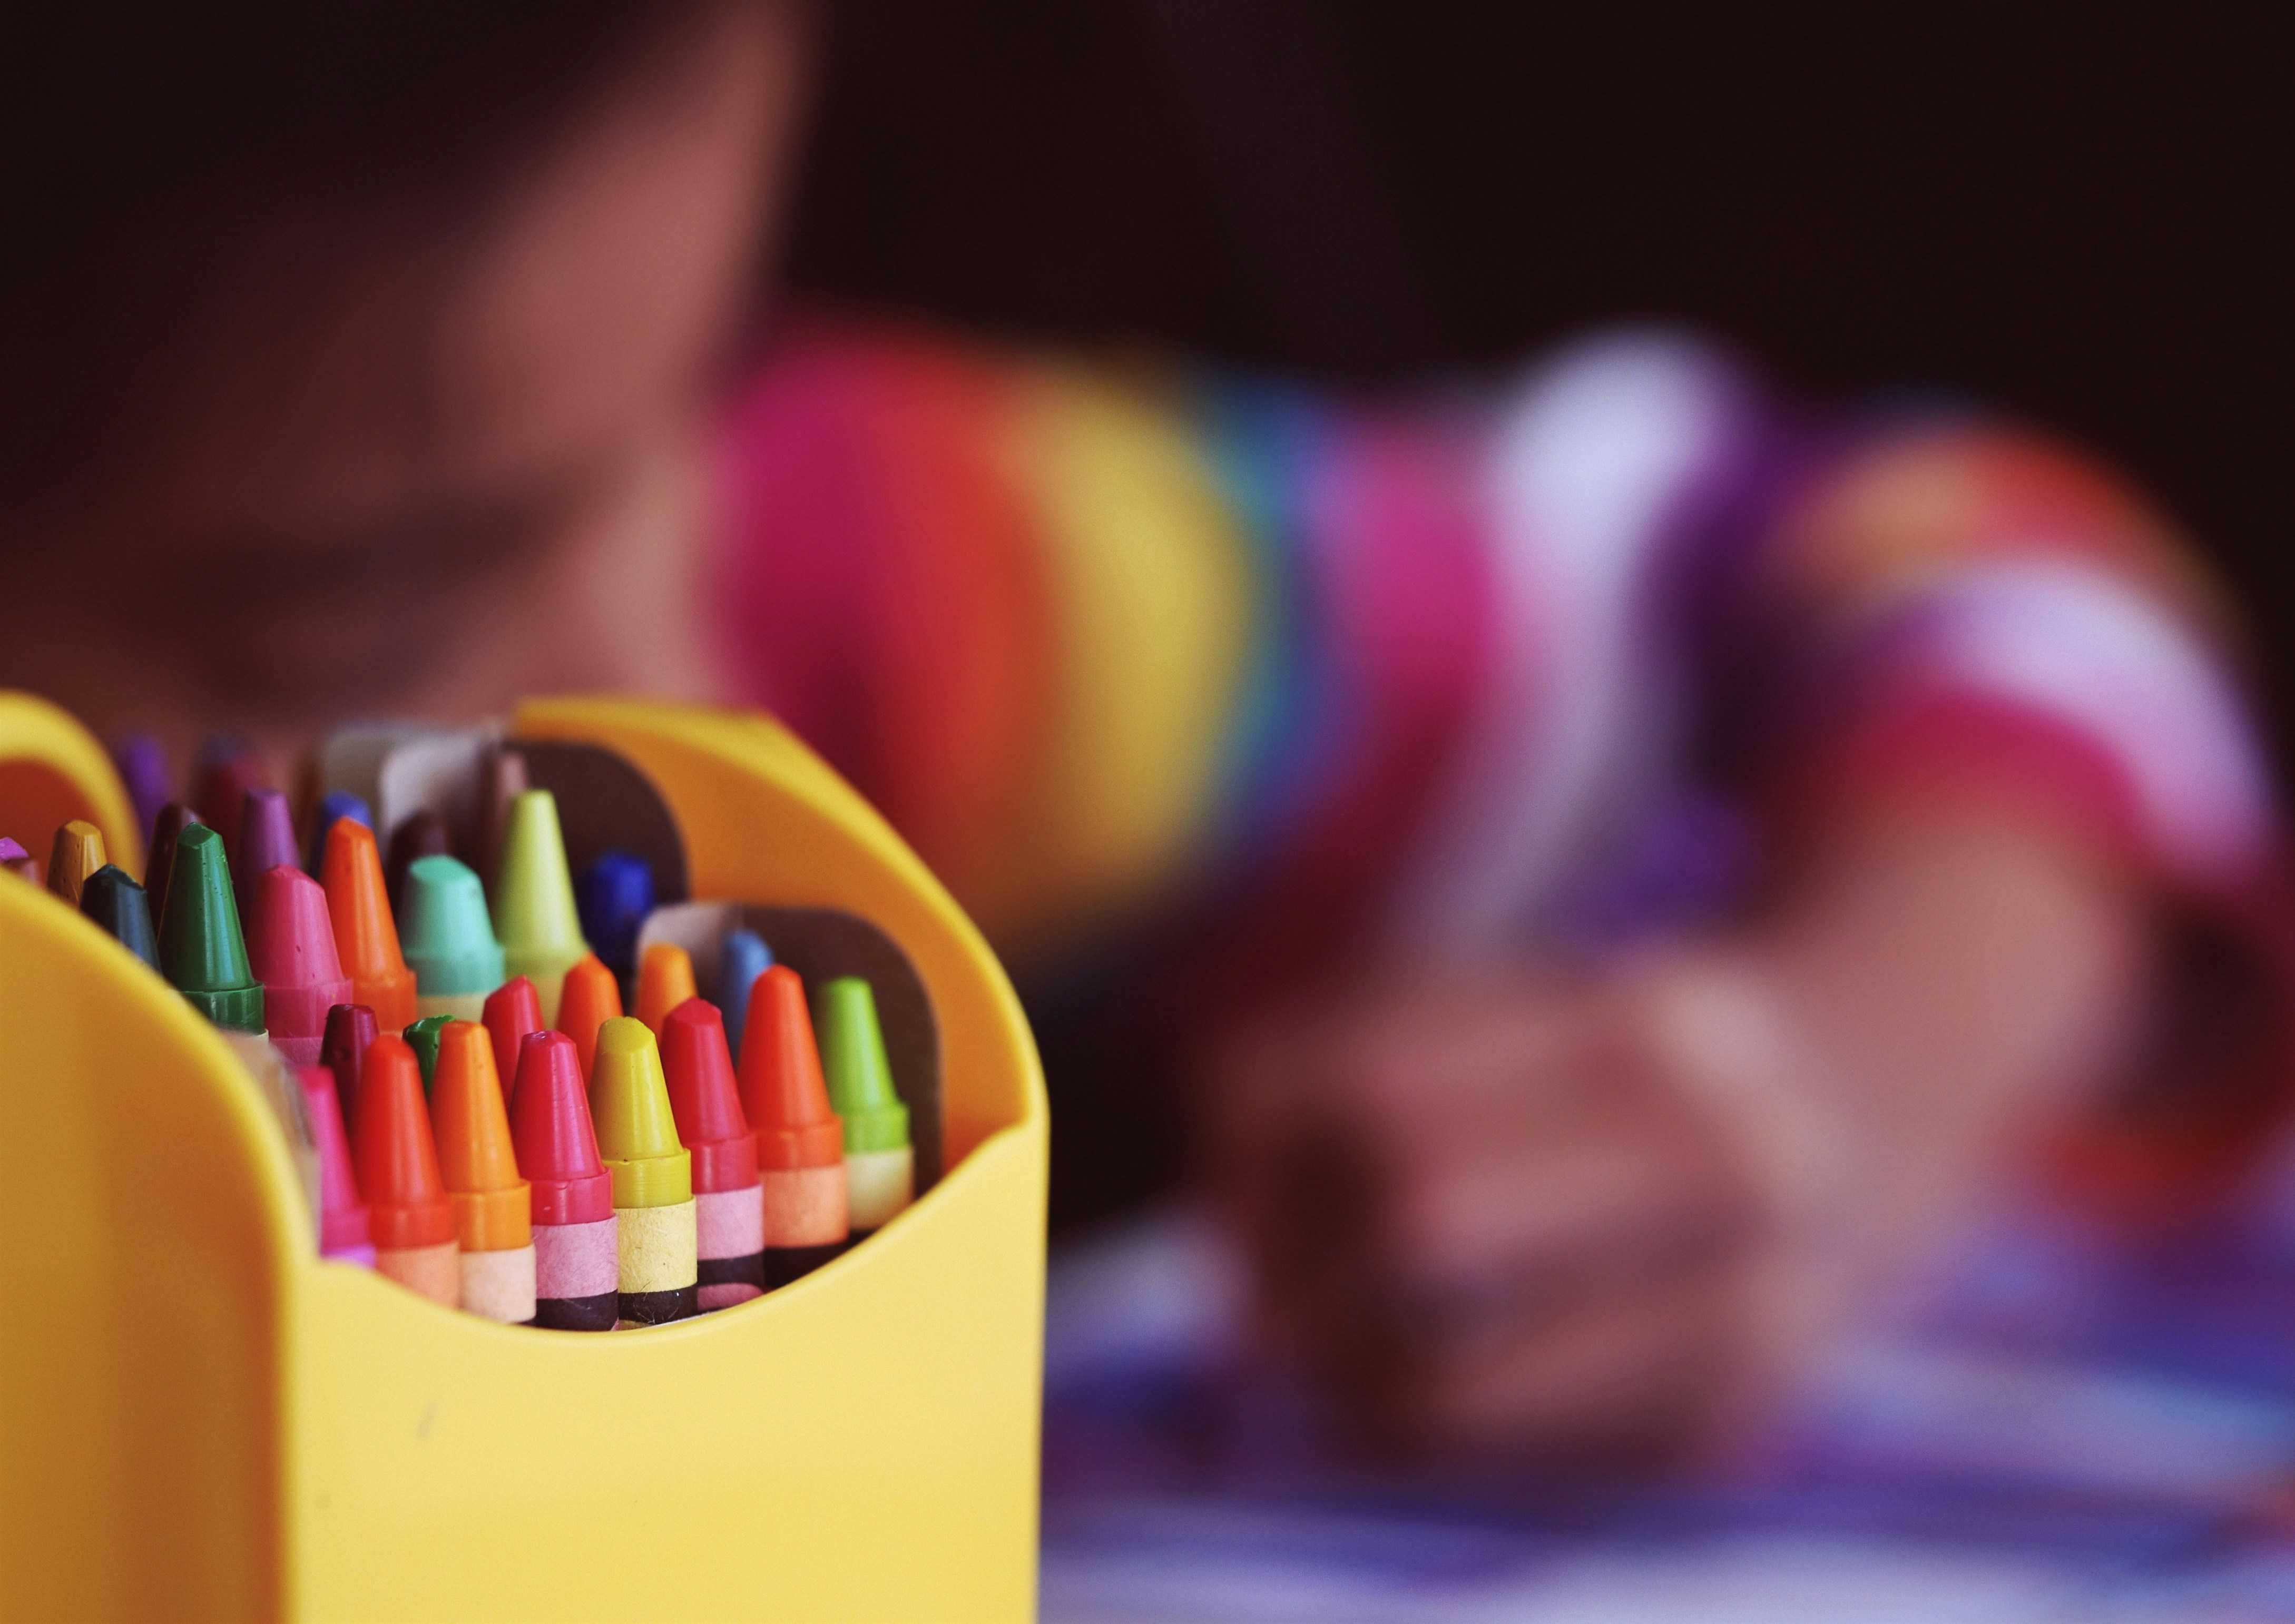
2079,220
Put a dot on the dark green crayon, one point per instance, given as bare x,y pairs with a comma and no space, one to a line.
202,952
422,1037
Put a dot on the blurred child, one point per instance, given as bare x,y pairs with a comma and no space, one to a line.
1664,853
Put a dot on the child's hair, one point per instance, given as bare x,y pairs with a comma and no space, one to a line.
145,147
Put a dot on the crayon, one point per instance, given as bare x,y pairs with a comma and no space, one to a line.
290,948
160,861
350,1028
77,853
879,1162
228,770
334,806
124,909
729,1202
345,1235
422,1037
492,1215
202,952
503,780
142,763
614,895
800,1142
577,1261
17,861
514,1013
267,839
366,941
424,834
664,981
533,898
741,958
397,1161
448,939
658,1246
592,997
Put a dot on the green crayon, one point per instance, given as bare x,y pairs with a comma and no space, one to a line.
879,1162
202,952
534,900
423,1037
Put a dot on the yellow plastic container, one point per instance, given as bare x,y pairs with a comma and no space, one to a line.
198,1418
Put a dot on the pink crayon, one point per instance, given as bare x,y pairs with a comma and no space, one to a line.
291,947
344,1233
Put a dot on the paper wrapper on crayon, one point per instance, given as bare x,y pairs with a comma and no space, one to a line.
499,1284
731,1227
805,1207
879,1186
577,1259
658,1249
435,1272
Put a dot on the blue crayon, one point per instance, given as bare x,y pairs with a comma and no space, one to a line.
334,804
742,958
613,895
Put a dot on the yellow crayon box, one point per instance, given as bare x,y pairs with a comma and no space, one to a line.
199,1417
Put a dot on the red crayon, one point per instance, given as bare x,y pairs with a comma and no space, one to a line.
350,1028
576,1246
223,786
416,1241
344,1232
729,1200
291,947
512,1013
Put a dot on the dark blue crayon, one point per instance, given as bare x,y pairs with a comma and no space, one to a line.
613,895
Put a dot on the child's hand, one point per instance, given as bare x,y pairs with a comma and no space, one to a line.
1605,1222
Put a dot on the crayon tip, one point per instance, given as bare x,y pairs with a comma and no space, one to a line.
424,834
783,1094
614,894
228,770
267,839
637,1132
512,1014
550,1129
534,897
159,857
77,853
202,952
366,941
122,907
860,1077
664,981
592,998
395,1154
142,763
290,948
704,1098
741,958
17,861
350,1028
472,1130
445,934
505,780
343,1230
334,806
422,1037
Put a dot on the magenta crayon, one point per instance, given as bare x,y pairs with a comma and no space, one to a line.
290,946
512,1013
729,1200
142,763
345,1235
267,839
576,1254
16,860
159,857
225,776
350,1028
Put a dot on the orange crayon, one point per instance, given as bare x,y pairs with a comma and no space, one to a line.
408,1211
493,1211
592,998
800,1141
367,939
664,981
